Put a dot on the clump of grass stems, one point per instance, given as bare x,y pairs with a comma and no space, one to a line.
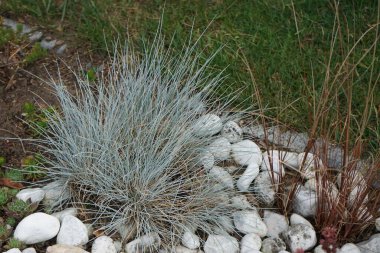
352,210
125,149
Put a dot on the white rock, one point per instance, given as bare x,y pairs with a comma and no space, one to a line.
222,176
61,49
349,248
118,245
290,159
220,148
273,245
264,189
298,219
207,160
35,36
37,227
249,222
305,202
29,250
371,245
58,248
356,185
190,240
148,241
246,152
73,232
221,244
14,250
319,249
207,125
68,211
311,164
48,44
181,249
377,223
241,202
103,244
300,236
276,223
250,242
232,131
245,180
272,161
35,195
54,192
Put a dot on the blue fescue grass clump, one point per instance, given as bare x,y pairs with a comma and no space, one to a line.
126,150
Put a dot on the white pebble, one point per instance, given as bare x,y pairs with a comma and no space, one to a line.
220,149
250,242
73,232
249,221
35,195
37,227
246,152
247,177
103,244
222,176
190,240
232,131
221,244
207,125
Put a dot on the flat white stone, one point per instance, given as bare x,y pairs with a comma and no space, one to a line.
68,211
250,242
221,244
249,221
273,245
207,125
232,131
103,244
14,250
35,195
48,44
37,227
148,241
190,240
220,148
300,236
298,219
222,176
73,232
245,180
29,250
58,248
264,189
349,248
311,164
290,159
246,152
241,202
276,223
305,202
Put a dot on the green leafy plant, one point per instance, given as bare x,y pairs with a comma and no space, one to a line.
36,53
10,221
17,209
6,35
14,175
3,196
2,160
32,166
14,243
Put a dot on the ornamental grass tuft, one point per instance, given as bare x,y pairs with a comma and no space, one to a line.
126,150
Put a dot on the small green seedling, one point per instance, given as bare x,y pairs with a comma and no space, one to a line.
91,74
31,165
14,175
28,109
14,243
2,160
36,53
4,196
6,35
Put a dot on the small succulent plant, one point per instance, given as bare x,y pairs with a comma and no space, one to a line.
329,240
14,243
14,175
4,196
11,221
17,208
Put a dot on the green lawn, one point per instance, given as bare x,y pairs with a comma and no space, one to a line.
287,43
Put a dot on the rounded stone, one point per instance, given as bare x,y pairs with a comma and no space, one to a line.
245,180
221,244
220,149
250,242
207,125
37,227
232,131
246,152
103,244
73,232
190,240
300,236
35,195
249,222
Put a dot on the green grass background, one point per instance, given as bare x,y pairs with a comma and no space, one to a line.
286,43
